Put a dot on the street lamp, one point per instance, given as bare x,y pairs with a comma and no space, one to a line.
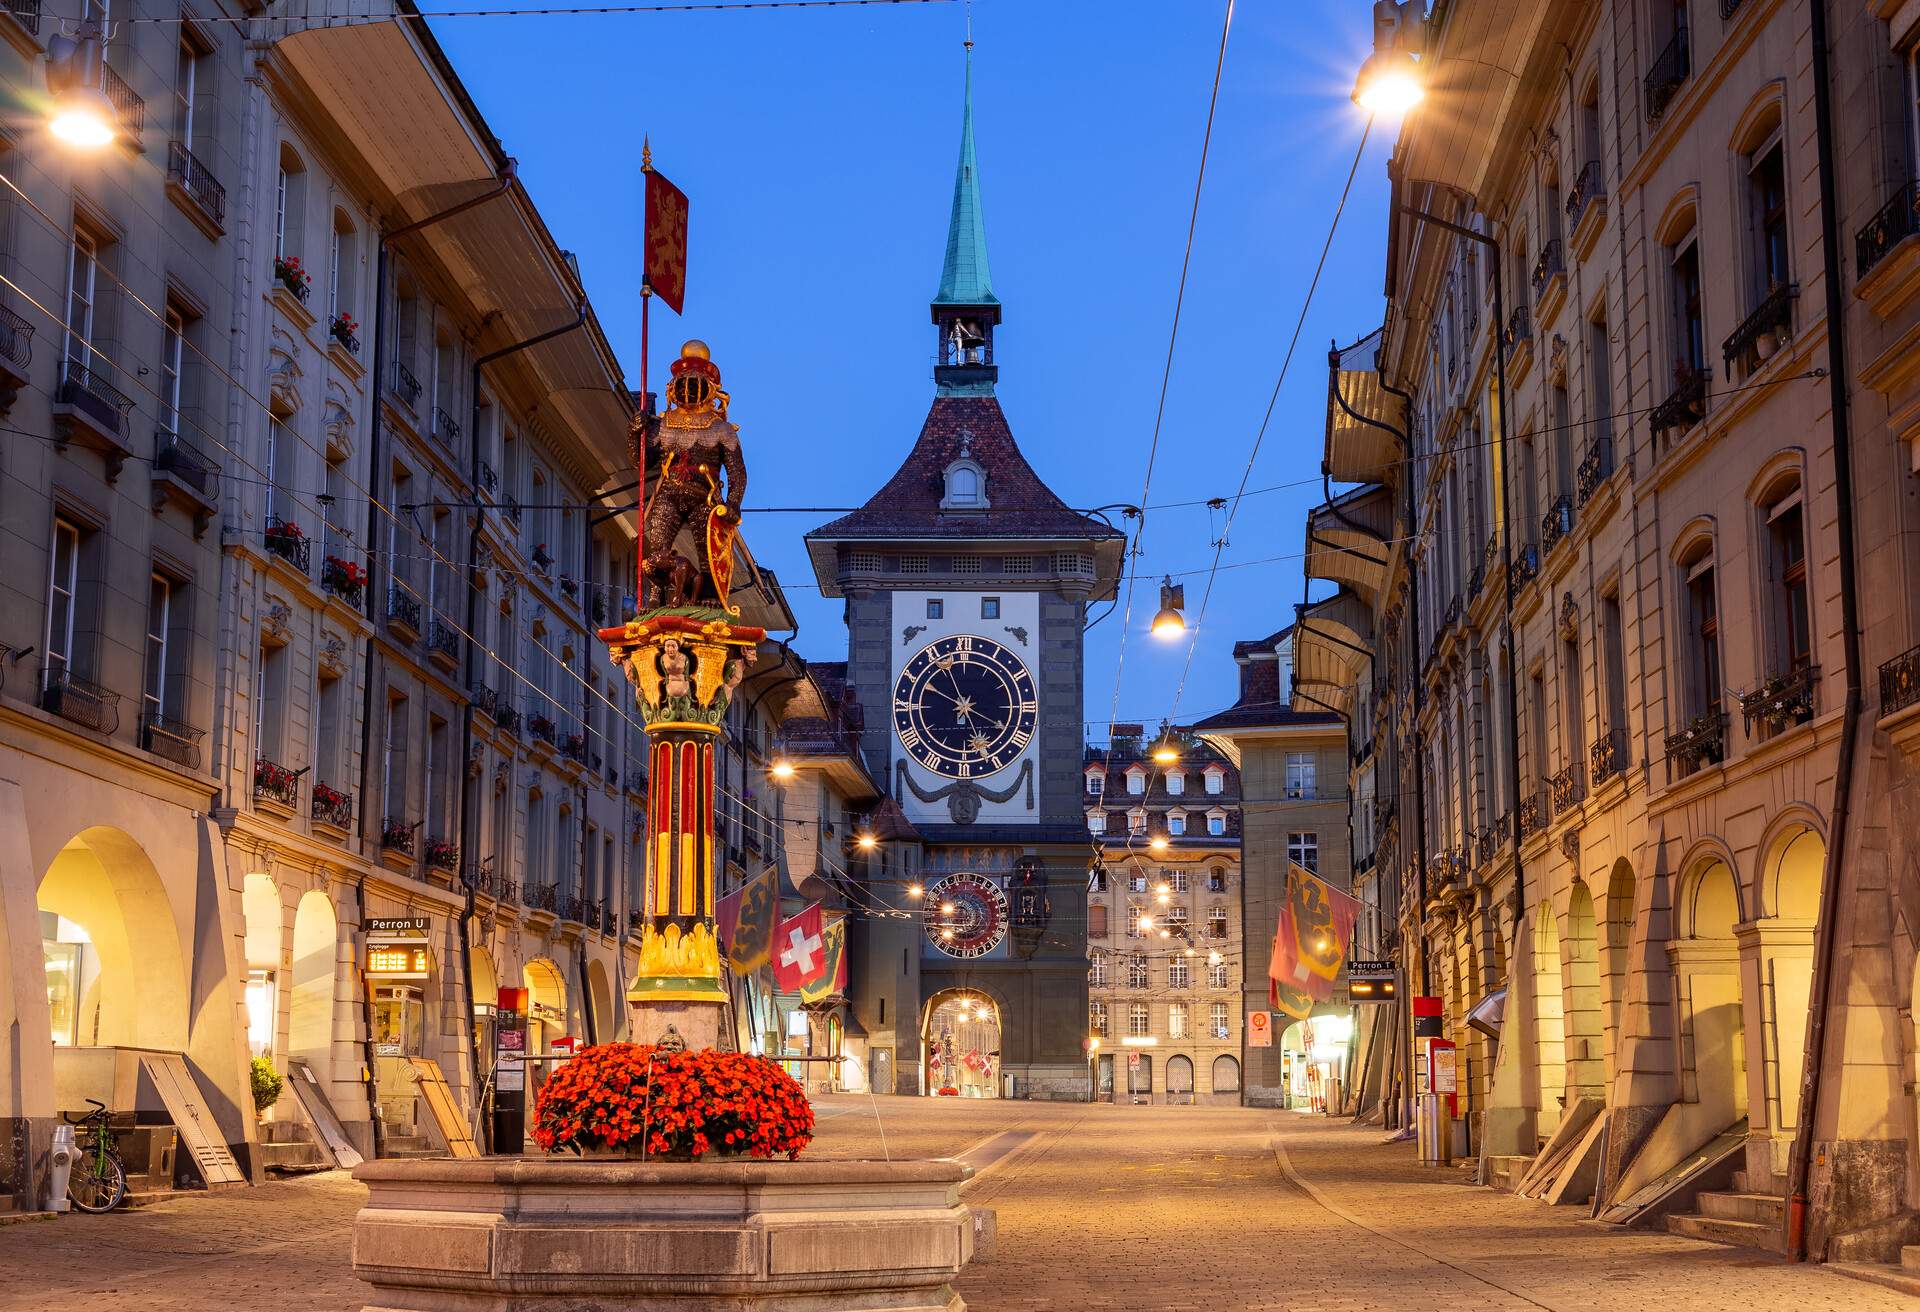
82,114
1390,81
781,770
1168,622
866,842
915,890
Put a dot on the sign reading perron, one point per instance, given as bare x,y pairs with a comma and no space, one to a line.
1370,981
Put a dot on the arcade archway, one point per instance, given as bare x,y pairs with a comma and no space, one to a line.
1795,862
546,1003
1706,957
1547,1015
315,978
600,999
1585,1048
961,1040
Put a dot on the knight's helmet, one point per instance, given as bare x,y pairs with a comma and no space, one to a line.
694,394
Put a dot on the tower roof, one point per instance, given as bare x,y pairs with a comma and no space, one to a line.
964,277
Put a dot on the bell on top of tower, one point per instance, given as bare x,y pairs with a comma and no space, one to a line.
965,309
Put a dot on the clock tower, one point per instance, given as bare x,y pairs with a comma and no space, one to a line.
967,582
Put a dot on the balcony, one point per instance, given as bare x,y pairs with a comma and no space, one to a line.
488,479
1556,524
1526,566
342,330
506,718
172,740
1607,757
196,190
398,835
481,878
93,411
1532,816
1586,206
1780,702
80,701
1596,467
512,504
1900,682
182,474
541,727
128,107
403,610
1567,789
289,542
1519,331
1667,75
16,354
1891,225
574,749
1550,265
485,700
442,855
544,898
1486,843
1702,742
1683,408
405,385
444,426
1451,615
26,13
345,579
443,640
1761,334
332,808
276,784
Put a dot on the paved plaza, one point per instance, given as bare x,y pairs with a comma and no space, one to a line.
1098,1206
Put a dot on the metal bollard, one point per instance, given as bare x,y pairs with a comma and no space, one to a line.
60,1160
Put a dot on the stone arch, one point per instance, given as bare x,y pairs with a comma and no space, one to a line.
1706,958
1179,1077
546,986
1225,1074
118,974
1782,937
262,915
1709,904
1586,1049
1622,889
313,991
600,1000
960,1029
1547,1024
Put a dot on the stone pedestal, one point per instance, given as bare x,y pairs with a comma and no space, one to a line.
699,1024
529,1235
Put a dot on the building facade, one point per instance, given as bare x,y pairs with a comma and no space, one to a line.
967,581
1626,547
1164,945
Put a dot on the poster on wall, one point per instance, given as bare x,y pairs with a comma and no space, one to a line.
1259,1029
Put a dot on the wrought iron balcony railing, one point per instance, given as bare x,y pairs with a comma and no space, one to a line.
16,339
544,898
541,727
1762,333
276,783
1891,224
345,579
1667,75
1596,467
444,426
442,638
403,607
1900,681
79,700
1532,815
1702,741
405,385
1587,188
1519,331
332,806
1683,408
506,717
442,854
398,835
171,739
185,462
512,504
1780,702
489,480
1607,757
1568,789
1549,264
88,391
287,541
1526,565
185,170
128,106
1556,524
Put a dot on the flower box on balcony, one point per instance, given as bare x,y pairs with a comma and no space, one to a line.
345,579
542,558
276,784
345,332
1702,741
540,727
1780,702
397,836
289,542
442,854
288,273
332,809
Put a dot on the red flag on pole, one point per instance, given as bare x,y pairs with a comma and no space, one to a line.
799,951
666,243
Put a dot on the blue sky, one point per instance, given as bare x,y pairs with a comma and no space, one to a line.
818,148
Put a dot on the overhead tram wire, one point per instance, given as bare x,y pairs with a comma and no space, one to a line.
1173,338
526,11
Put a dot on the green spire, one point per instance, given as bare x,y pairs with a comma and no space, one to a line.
965,278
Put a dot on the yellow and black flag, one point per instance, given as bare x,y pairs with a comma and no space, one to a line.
746,922
832,980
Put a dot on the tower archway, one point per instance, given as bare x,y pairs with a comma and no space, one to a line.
961,1038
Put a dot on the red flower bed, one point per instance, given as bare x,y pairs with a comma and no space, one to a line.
684,1104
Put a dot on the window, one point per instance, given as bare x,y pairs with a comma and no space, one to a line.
1177,1020
936,608
1216,922
1096,921
1216,880
1137,881
1216,823
1096,782
1703,633
1097,880
1176,782
276,443
65,628
1789,632
289,204
1176,917
989,608
1137,972
1179,881
154,702
1573,702
434,777
172,345
1216,779
1217,979
1599,386
1300,770
1136,821
1217,1015
1690,331
1561,409
1136,781
393,761
270,700
1133,921
1178,975
328,767
1304,851
1613,641
342,257
1537,715
83,269
1137,1025
1097,971
1097,1019
1096,822
1767,212
184,78
1176,822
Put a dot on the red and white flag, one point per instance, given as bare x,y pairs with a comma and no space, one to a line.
799,951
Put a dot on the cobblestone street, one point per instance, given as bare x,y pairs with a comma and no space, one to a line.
1102,1206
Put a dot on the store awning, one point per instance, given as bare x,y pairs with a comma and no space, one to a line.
1332,640
1365,421
1347,541
1473,76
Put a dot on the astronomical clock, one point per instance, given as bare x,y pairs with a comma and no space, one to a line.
966,916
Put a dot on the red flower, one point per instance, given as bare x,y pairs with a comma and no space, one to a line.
678,1103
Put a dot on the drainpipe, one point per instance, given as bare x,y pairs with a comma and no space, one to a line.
1824,930
381,264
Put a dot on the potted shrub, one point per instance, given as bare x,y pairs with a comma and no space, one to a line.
636,1100
267,1085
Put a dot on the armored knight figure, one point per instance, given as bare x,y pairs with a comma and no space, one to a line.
702,480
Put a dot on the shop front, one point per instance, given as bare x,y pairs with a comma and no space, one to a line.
400,965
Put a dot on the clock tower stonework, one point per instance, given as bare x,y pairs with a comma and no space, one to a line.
967,582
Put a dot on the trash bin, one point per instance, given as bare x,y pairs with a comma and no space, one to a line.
61,1162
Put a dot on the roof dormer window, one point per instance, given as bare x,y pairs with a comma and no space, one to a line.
1216,778
965,480
1176,782
1096,782
1136,780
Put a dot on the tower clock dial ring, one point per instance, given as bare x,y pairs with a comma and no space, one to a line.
965,707
977,921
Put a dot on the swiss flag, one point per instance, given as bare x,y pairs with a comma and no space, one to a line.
799,951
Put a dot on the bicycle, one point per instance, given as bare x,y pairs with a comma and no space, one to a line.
98,1182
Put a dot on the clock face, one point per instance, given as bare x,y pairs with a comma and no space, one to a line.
966,915
965,707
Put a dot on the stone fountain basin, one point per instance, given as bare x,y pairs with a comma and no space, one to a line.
520,1234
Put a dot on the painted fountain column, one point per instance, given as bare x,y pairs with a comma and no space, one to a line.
685,654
